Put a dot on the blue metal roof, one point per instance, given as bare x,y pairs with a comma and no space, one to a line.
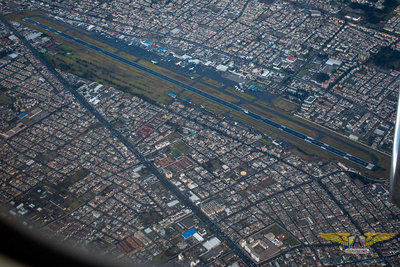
189,233
172,94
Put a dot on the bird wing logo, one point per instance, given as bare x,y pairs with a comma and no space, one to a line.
357,244
341,238
372,238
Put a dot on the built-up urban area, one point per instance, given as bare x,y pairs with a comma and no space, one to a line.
299,49
151,183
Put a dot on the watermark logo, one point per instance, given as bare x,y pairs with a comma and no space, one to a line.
357,244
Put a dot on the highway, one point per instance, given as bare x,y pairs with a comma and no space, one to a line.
312,141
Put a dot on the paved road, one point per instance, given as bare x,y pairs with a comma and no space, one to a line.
213,98
216,230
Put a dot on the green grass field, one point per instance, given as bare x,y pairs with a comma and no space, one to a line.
384,161
239,94
49,23
97,67
279,119
212,82
199,100
192,97
215,92
323,155
216,108
284,105
127,56
180,148
165,71
304,71
91,40
288,239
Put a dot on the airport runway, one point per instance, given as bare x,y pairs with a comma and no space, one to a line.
218,100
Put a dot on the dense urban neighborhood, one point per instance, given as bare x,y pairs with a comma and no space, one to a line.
152,172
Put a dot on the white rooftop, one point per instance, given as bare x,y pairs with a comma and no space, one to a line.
212,243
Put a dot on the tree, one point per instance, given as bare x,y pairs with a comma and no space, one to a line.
321,77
